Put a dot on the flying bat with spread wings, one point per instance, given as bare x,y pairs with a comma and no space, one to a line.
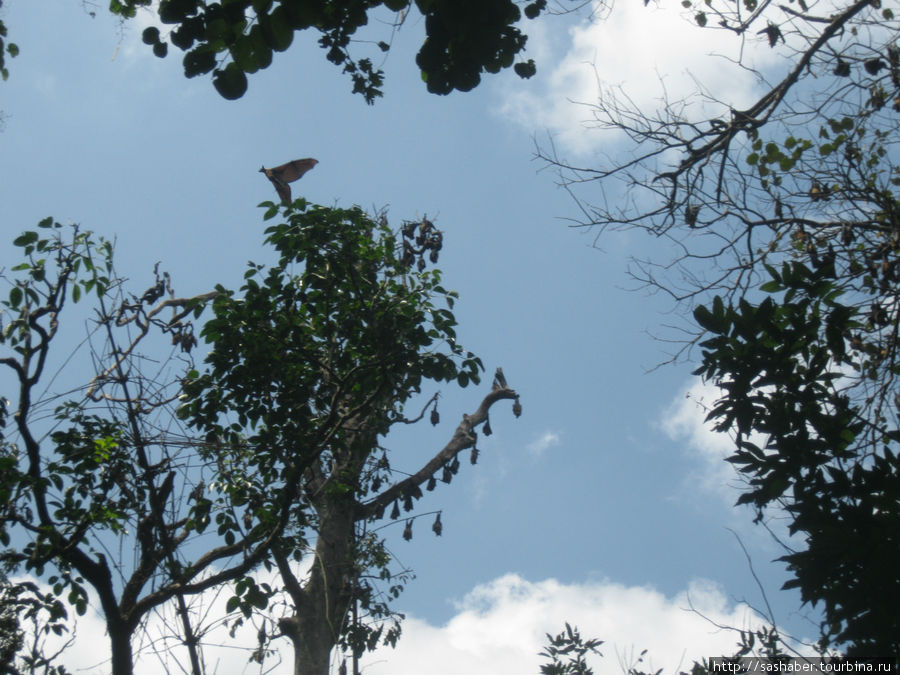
280,176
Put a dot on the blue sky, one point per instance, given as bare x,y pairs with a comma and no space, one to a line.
607,503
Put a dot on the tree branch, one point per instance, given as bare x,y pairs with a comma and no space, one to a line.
462,438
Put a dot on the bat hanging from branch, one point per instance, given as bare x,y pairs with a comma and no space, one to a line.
280,176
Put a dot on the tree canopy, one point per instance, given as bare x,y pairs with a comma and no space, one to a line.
235,38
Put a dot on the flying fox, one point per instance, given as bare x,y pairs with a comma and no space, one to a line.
280,176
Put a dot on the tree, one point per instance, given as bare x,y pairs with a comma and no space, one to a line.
315,362
784,217
96,471
728,187
310,365
571,645
236,38
815,410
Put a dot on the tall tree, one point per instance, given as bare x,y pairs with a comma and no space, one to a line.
309,368
785,222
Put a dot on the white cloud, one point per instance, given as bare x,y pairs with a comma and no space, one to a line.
633,53
501,625
540,445
684,421
499,628
685,418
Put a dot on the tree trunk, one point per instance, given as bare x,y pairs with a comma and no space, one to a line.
120,643
322,608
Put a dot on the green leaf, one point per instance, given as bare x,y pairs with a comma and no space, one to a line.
250,52
258,600
230,82
150,36
533,10
15,297
525,70
718,307
198,61
25,239
277,30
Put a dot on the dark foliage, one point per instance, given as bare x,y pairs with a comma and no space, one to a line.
232,39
